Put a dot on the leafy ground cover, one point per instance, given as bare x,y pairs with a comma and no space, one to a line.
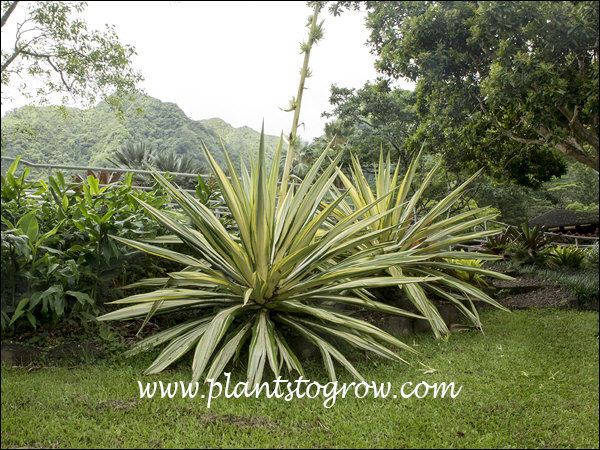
530,381
579,284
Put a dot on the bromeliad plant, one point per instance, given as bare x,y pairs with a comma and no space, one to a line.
431,237
567,256
274,280
530,245
469,276
499,243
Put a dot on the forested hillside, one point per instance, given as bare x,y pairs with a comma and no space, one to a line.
74,136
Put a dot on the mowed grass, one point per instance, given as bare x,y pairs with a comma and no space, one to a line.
530,381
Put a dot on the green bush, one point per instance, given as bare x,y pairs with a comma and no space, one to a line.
530,245
591,257
570,256
57,259
470,276
522,245
498,244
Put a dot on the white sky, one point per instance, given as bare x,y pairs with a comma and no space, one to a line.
239,61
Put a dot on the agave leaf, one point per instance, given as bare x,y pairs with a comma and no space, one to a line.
141,309
420,300
370,304
287,355
355,340
327,350
163,253
441,207
228,351
467,288
163,336
177,348
148,282
171,294
215,331
262,348
166,239
344,320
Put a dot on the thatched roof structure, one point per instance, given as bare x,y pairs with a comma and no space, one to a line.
563,218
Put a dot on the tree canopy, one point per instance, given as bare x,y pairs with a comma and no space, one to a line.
54,52
500,84
374,117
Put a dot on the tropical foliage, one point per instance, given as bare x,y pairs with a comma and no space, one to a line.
530,245
57,259
506,84
133,156
467,275
592,256
54,45
276,278
431,237
567,256
372,118
499,243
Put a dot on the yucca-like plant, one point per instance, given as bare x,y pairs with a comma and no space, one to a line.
274,280
432,237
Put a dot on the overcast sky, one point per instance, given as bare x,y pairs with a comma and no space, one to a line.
239,61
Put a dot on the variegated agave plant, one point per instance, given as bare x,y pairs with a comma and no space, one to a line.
431,237
273,280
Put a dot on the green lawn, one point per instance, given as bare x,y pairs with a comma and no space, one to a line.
530,381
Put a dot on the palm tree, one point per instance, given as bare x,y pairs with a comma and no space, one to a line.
171,162
132,156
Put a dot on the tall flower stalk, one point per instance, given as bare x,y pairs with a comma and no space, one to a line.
315,34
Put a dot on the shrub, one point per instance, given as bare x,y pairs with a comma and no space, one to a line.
570,256
530,245
282,275
432,237
468,275
57,259
592,256
499,243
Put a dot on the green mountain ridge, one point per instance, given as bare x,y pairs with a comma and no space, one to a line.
55,135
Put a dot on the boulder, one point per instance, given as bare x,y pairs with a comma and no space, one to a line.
397,326
422,326
449,313
75,352
19,354
302,348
